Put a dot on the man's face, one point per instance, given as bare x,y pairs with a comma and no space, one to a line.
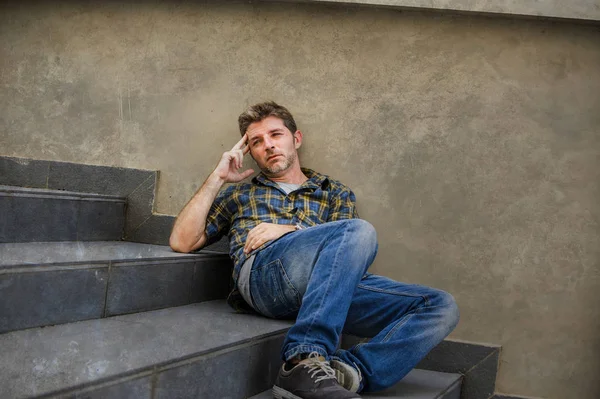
273,146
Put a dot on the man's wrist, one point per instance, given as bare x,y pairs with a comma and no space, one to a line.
215,181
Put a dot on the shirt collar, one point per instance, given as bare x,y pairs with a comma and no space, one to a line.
315,179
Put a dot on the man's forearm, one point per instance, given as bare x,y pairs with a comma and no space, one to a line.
188,231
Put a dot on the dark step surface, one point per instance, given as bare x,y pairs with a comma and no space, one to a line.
418,384
33,214
202,350
60,282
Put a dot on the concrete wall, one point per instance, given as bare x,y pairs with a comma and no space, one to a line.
472,143
572,9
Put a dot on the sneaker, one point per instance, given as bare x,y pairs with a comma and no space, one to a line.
312,378
347,376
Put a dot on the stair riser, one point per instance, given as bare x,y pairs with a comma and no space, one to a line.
46,295
28,218
236,373
453,392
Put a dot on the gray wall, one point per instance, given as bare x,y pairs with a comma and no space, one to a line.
472,143
573,9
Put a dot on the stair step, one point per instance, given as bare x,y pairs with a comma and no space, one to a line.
51,283
418,384
202,350
33,214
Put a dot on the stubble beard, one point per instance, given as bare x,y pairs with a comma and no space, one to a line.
279,167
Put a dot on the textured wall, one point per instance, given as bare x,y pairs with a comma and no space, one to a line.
575,9
472,143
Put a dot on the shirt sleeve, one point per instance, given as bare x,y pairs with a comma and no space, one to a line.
342,205
218,220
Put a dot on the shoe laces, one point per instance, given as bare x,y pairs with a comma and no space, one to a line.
318,370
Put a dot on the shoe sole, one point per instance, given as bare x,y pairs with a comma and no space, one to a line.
279,393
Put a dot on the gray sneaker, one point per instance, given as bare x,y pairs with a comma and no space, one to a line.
347,376
312,378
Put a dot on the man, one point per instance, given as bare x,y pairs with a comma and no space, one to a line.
300,251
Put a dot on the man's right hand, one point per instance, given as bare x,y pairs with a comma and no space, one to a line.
227,169
189,229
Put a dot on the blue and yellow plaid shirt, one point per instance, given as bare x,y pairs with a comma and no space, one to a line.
240,207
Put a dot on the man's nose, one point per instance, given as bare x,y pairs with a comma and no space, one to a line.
269,143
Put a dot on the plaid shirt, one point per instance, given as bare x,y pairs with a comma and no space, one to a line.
240,207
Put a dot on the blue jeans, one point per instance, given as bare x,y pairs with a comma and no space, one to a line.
319,276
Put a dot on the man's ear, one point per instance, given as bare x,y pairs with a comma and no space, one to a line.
298,139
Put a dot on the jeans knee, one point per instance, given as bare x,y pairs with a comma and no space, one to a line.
364,234
451,313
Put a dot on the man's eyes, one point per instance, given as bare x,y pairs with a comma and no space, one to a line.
255,142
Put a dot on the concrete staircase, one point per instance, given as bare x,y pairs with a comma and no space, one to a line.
86,315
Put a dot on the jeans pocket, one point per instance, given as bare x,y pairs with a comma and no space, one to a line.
273,294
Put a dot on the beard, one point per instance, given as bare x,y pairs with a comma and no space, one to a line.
281,165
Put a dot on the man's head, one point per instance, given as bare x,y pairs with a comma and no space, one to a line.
272,137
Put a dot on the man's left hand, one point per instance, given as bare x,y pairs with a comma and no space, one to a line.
265,232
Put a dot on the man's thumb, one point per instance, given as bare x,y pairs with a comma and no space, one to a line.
247,173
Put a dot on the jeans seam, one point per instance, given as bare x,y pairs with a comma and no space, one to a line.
399,324
288,281
404,319
364,287
281,297
356,347
325,294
